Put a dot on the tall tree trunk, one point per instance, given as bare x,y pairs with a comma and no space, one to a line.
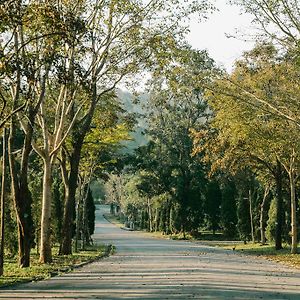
80,129
279,207
78,135
2,205
78,229
156,220
45,249
251,217
21,194
294,247
149,215
262,222
19,170
69,207
85,227
290,169
25,203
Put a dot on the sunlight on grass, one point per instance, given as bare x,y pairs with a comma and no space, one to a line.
268,252
14,274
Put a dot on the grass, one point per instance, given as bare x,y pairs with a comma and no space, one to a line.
61,264
114,220
267,251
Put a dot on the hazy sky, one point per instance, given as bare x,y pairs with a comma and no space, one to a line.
211,34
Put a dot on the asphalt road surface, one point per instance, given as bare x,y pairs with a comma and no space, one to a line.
149,268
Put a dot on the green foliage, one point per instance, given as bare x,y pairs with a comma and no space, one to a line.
271,226
212,205
197,121
11,240
277,20
35,186
228,210
243,214
57,212
90,212
97,188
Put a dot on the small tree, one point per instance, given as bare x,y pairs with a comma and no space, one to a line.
228,210
90,212
212,205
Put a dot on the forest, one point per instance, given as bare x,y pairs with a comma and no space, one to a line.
215,151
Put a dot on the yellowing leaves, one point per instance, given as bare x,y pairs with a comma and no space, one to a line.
256,113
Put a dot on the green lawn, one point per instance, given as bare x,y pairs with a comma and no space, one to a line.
266,251
13,274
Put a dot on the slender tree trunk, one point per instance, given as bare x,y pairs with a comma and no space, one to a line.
69,208
251,217
25,203
279,207
150,216
112,209
2,205
45,249
85,229
78,217
168,216
290,169
294,247
156,220
80,130
262,222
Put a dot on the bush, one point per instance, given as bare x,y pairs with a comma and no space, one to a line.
271,223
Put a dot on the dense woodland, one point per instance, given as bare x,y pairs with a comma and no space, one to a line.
220,149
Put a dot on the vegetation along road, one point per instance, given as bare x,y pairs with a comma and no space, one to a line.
152,268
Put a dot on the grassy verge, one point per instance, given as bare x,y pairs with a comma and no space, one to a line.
61,264
267,251
114,220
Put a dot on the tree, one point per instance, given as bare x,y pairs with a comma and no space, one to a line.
212,205
175,107
90,212
262,221
20,66
228,209
58,92
278,20
3,199
248,134
279,23
291,167
109,127
125,38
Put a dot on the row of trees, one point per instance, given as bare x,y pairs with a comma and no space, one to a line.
224,148
60,63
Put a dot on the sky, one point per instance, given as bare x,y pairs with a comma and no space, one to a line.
211,34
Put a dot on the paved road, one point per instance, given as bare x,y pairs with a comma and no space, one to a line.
150,268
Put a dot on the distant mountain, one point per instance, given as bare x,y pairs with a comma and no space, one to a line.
134,104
